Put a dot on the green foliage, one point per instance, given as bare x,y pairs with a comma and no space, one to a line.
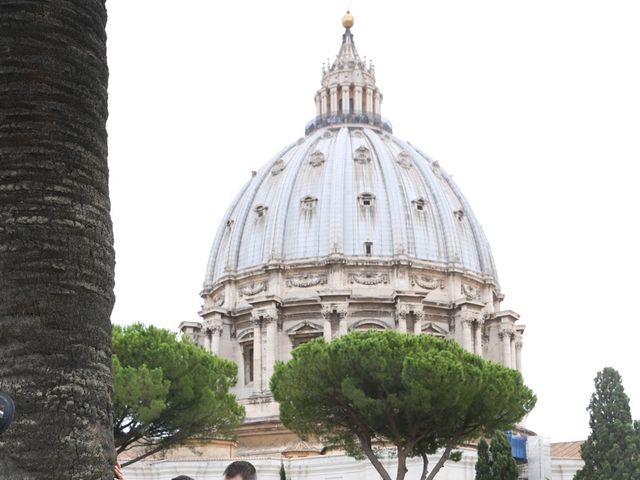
483,465
496,462
503,466
283,473
612,450
418,392
167,390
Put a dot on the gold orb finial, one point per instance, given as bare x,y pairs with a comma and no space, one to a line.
347,20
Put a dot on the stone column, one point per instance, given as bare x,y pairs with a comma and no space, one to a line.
402,310
466,334
342,318
369,101
271,346
345,99
512,341
465,321
505,338
417,326
216,334
257,353
264,348
318,108
377,102
478,340
519,355
334,100
335,310
326,325
357,103
323,102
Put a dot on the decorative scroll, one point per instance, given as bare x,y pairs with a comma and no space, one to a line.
306,281
253,289
362,155
426,282
278,167
316,158
368,278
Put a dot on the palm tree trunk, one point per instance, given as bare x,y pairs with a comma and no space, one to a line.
56,241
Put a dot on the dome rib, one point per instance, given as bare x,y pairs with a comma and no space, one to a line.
386,166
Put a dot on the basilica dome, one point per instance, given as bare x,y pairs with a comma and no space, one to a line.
349,188
348,228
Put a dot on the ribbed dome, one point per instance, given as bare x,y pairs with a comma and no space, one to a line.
352,191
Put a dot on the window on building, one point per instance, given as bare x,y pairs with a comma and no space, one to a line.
368,247
247,359
367,199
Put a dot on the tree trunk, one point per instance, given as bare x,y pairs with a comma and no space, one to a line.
438,466
56,241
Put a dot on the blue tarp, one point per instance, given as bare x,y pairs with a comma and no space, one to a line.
518,446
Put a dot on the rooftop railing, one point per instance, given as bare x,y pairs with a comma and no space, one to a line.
348,118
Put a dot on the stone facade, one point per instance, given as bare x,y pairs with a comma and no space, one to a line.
258,317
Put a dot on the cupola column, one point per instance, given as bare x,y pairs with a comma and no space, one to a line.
377,97
369,101
334,100
357,104
323,102
318,108
345,99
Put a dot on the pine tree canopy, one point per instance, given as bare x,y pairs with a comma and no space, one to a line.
612,450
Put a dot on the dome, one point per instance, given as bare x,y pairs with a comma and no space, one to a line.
354,191
348,228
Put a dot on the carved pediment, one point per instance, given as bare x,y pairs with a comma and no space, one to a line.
431,328
305,328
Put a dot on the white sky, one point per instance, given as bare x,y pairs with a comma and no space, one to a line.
532,106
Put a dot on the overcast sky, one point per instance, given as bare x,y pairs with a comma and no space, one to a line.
532,106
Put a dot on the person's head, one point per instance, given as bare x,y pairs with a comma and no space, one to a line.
182,477
240,471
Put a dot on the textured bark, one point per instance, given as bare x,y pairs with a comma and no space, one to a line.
56,241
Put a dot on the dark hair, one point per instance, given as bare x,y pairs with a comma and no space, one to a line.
182,477
244,469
